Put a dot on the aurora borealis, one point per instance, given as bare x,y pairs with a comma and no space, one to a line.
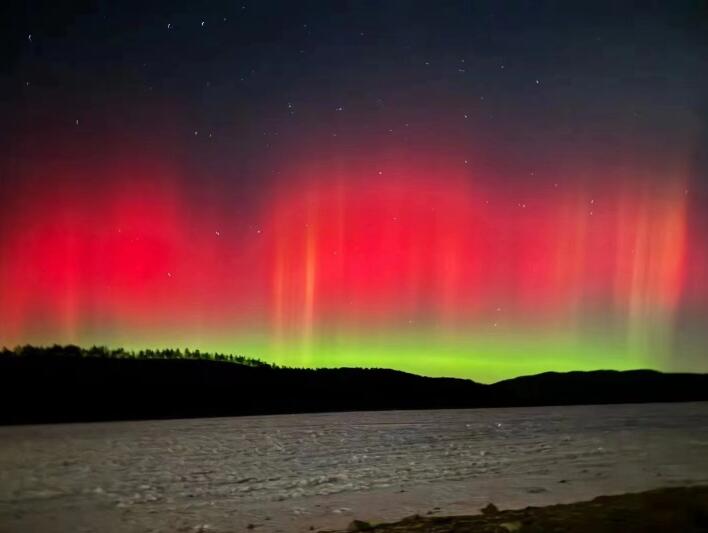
458,190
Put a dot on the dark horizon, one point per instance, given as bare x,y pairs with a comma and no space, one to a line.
185,353
66,384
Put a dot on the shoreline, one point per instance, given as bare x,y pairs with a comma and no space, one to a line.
92,386
308,473
683,509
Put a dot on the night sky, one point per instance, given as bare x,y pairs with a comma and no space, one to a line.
475,189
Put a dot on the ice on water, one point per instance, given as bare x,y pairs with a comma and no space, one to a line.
292,472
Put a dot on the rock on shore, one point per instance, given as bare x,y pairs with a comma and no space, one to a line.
683,509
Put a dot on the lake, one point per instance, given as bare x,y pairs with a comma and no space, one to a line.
293,472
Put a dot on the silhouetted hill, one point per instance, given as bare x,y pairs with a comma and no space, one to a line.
63,384
601,386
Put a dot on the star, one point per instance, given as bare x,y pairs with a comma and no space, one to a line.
169,25
29,37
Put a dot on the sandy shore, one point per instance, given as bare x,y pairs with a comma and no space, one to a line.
683,509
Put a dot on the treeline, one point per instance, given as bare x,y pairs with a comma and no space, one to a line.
71,350
71,384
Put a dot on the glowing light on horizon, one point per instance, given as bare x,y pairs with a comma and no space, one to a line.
433,270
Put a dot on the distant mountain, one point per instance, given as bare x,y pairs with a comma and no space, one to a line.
600,386
67,384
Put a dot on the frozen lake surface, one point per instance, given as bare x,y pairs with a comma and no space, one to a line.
293,472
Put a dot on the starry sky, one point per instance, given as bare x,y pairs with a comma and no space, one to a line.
473,189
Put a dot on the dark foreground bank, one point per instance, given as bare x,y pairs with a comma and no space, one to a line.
672,510
67,384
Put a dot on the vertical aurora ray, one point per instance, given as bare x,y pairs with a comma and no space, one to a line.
428,269
456,269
